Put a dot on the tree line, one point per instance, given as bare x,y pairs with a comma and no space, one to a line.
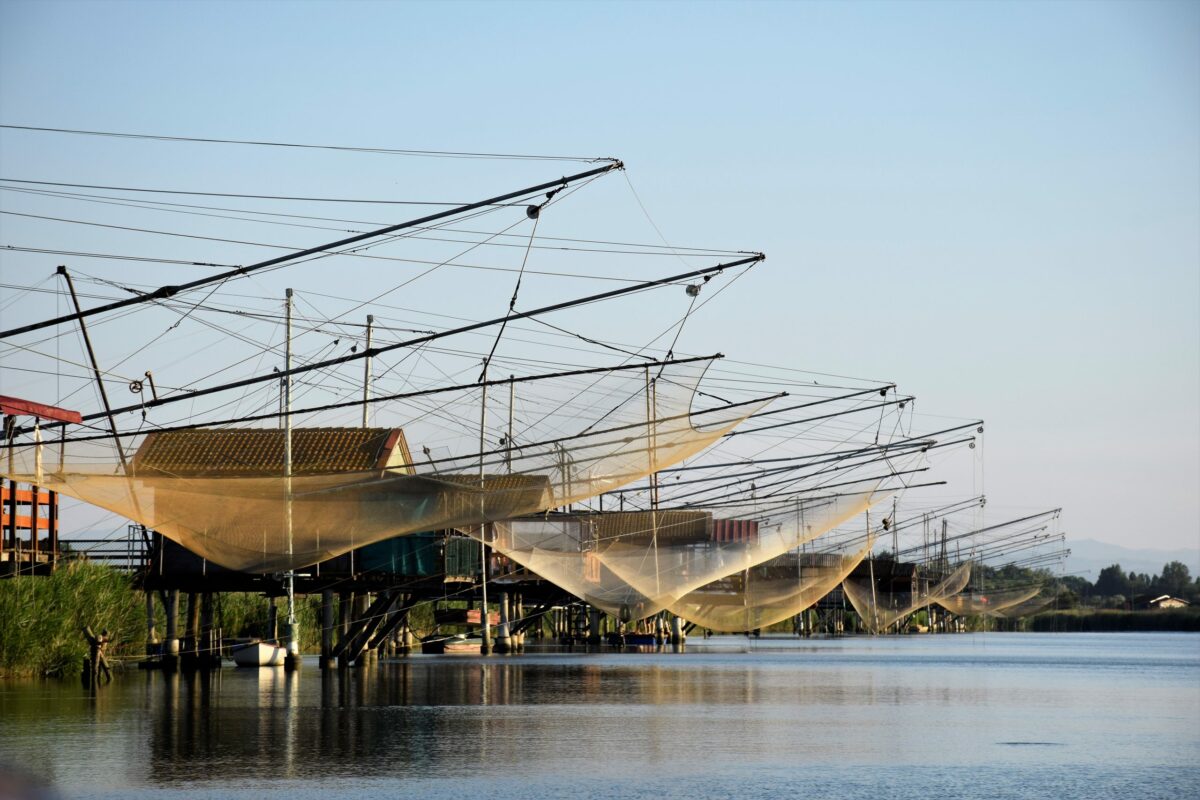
1116,588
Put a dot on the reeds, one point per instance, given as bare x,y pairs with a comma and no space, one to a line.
41,618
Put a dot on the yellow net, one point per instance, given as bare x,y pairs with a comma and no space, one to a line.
223,493
1027,608
769,592
988,603
634,564
879,610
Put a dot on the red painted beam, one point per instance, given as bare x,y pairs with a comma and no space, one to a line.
14,406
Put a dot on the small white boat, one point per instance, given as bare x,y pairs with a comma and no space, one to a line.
259,654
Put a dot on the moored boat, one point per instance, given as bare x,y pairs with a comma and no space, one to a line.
259,654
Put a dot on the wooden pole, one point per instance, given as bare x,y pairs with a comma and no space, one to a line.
151,630
485,646
367,373
191,632
327,660
171,651
345,602
207,649
503,638
12,516
34,508
52,523
292,659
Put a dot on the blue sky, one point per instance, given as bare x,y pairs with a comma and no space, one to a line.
995,204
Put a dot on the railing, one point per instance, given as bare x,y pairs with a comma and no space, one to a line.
128,552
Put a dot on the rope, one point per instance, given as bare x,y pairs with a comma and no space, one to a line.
512,303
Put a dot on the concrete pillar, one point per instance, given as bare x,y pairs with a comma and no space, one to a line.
593,638
209,654
519,616
189,655
171,645
327,660
408,642
391,644
151,629
292,660
676,631
503,639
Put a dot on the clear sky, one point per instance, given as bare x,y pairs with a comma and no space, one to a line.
995,204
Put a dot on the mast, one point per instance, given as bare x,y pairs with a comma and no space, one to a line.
292,660
87,343
929,570
895,534
651,429
508,439
871,567
108,413
485,647
425,338
367,371
164,292
943,558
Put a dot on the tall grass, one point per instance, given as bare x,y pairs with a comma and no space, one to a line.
41,618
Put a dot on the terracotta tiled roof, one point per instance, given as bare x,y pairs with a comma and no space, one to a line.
637,526
254,452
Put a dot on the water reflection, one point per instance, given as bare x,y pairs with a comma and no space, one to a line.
395,717
732,712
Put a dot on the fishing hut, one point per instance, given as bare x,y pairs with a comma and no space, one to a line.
29,521
366,593
29,542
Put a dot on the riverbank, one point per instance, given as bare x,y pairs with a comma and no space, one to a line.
1079,620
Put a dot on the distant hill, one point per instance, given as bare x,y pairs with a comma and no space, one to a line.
1089,556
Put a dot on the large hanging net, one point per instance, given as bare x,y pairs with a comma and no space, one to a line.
634,564
223,492
880,609
769,592
1027,608
988,603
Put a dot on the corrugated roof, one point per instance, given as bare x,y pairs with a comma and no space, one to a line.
253,452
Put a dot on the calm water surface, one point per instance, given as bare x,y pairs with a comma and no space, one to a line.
990,715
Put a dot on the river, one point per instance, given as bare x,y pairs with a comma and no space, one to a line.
970,715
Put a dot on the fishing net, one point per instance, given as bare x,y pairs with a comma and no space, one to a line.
1027,608
988,603
769,592
634,564
222,492
880,609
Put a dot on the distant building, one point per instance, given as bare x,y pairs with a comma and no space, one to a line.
1166,601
